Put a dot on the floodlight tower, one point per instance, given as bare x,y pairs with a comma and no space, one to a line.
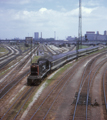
79,39
80,24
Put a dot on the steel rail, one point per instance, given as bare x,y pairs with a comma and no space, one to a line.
21,108
50,53
50,93
3,56
13,76
105,96
14,103
11,57
104,61
16,83
12,54
80,88
57,96
23,105
16,73
90,83
12,81
81,85
42,103
17,99
59,93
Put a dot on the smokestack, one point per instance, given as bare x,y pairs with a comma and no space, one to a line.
41,34
54,34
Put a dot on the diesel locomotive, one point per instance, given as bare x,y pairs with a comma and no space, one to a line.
49,63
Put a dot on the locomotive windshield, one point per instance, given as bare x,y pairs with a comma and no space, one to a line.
34,70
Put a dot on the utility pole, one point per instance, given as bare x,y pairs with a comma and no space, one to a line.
80,24
31,50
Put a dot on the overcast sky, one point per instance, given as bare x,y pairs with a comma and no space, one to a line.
21,18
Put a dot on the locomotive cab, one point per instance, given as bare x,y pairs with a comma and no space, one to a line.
34,69
38,71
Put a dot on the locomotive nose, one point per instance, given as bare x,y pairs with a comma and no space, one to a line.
35,69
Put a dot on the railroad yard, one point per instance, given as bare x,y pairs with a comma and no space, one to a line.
76,90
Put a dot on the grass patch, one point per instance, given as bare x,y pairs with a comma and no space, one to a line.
23,48
61,71
32,96
3,51
4,72
35,58
83,46
99,50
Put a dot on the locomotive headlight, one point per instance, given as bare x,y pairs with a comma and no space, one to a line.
33,66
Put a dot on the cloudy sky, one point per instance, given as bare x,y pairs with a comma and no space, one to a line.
20,18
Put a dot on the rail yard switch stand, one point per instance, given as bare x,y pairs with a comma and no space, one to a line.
96,103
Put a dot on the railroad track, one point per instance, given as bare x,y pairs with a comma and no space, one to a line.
46,51
9,52
12,84
16,78
57,87
10,109
49,51
41,106
81,110
13,54
105,92
16,106
5,85
7,59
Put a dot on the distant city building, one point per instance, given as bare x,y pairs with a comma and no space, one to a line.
92,36
13,43
70,38
36,35
16,38
105,32
90,32
28,39
97,32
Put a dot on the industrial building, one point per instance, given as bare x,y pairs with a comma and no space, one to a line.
91,35
36,35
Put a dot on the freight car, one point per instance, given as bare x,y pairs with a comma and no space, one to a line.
45,64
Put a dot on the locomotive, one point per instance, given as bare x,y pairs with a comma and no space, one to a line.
49,63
